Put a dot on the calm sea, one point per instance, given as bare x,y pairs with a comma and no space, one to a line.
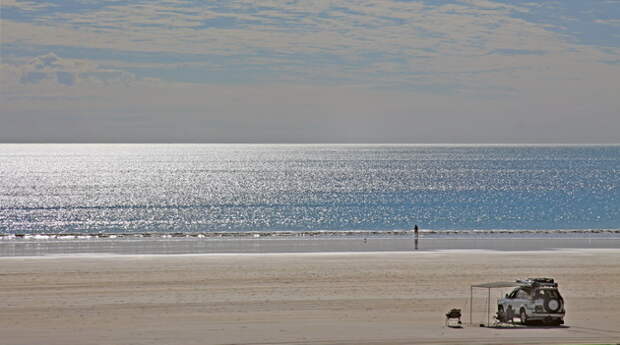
77,188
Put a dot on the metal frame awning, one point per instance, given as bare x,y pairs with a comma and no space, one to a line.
488,286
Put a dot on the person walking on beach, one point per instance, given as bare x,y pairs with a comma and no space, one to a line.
416,232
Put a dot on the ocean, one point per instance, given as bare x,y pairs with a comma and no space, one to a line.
241,189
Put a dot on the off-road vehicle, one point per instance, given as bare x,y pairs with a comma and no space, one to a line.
534,300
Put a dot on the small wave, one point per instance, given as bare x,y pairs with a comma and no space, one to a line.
307,234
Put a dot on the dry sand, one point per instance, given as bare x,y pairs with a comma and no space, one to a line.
352,298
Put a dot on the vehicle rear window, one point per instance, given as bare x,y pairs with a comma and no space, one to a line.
548,293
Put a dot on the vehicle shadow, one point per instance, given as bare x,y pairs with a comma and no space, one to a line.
533,326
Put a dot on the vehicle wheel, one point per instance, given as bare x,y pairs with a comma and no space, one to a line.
523,316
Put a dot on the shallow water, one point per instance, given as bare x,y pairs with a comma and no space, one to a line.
79,189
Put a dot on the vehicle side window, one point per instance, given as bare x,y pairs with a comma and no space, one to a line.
550,293
538,294
513,294
523,294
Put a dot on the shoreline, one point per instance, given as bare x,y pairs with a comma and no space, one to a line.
179,246
430,233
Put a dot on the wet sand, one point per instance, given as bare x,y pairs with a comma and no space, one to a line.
301,298
38,247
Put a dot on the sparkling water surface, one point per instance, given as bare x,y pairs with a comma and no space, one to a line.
146,188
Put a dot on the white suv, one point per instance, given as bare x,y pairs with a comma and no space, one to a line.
535,299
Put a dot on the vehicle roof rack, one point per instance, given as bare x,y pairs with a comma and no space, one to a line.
542,280
534,282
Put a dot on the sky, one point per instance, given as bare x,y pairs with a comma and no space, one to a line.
467,71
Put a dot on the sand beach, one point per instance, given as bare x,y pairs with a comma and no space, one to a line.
296,298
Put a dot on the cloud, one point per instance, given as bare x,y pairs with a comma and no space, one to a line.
26,5
612,22
336,68
65,78
52,69
270,27
508,51
426,45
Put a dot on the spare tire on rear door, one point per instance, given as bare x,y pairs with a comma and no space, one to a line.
552,305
